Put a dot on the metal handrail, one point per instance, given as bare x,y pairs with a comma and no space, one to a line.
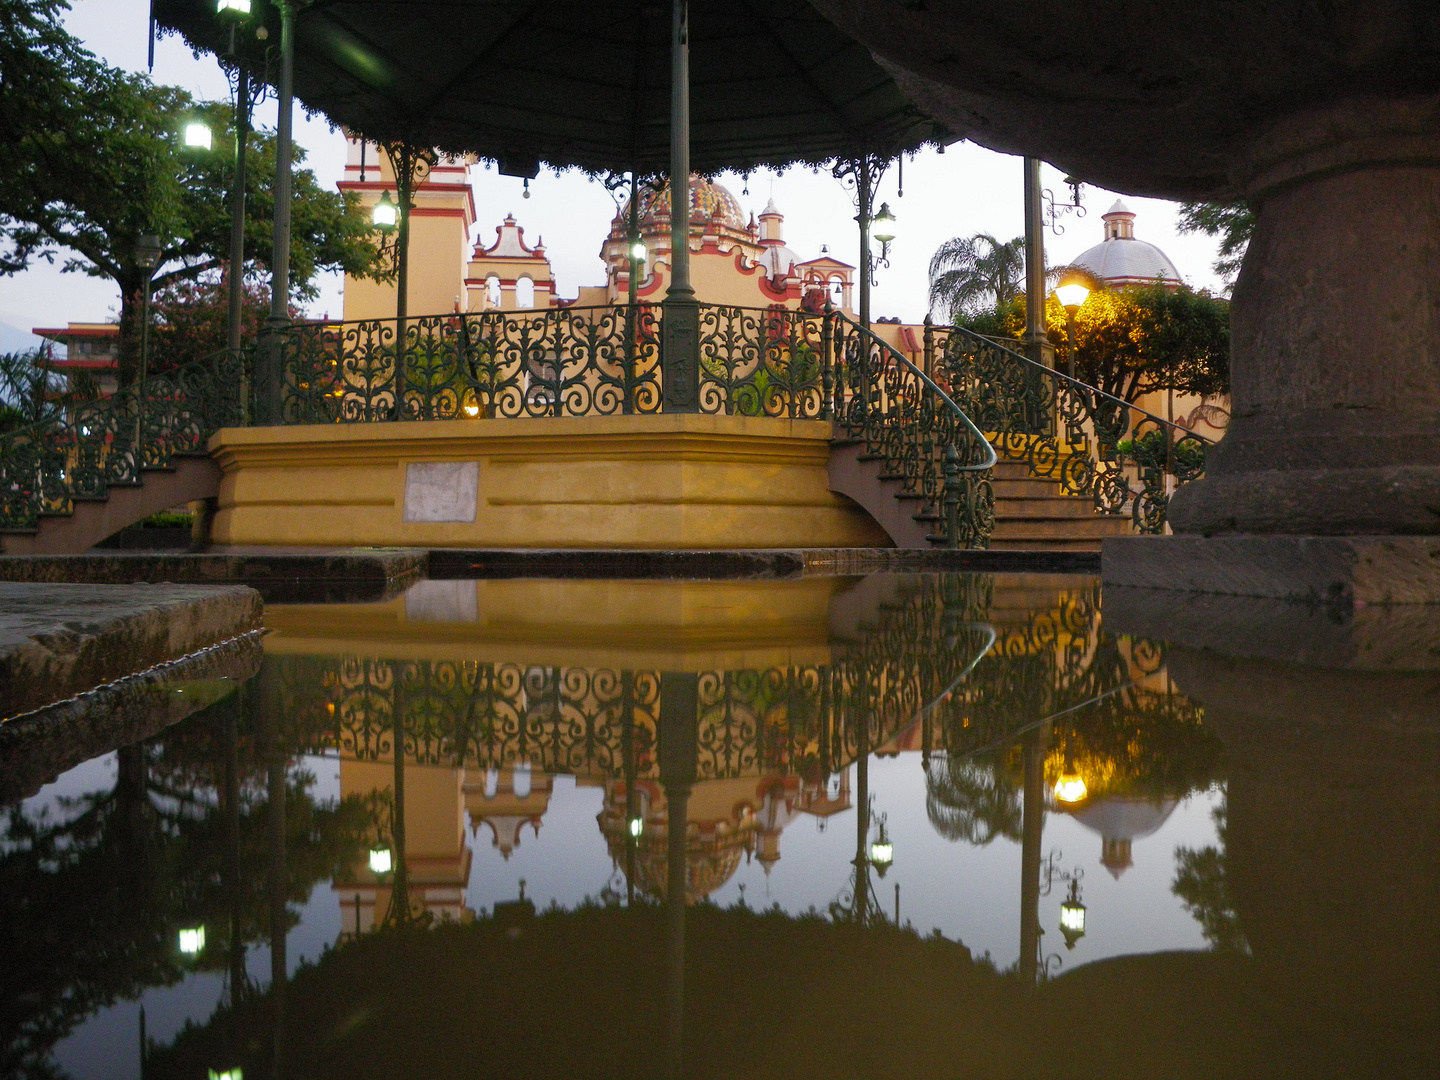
1073,382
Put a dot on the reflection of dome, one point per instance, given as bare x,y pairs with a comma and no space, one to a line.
1120,821
709,861
1121,259
705,199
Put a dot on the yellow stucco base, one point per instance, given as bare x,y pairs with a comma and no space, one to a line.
667,481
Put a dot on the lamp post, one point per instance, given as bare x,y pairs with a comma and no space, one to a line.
1037,345
147,257
680,330
267,368
234,12
1071,293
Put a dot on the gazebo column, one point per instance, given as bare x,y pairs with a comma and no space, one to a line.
1336,334
680,334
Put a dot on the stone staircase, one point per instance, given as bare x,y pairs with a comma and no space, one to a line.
186,478
1033,514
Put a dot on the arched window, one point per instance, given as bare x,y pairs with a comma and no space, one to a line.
837,290
524,293
492,291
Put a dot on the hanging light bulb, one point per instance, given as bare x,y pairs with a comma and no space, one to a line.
526,193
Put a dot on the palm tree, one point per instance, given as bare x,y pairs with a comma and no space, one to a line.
974,274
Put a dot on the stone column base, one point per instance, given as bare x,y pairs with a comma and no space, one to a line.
1339,570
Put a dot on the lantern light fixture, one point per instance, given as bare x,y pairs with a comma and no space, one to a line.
883,224
882,851
147,251
233,9
381,861
386,214
637,251
227,1074
197,135
472,408
637,826
1072,916
192,940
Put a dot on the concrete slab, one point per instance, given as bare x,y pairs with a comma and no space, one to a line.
60,640
1344,570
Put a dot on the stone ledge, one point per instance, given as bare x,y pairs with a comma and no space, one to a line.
57,641
1329,570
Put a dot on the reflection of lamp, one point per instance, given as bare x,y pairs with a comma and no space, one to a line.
228,1074
192,940
386,213
1070,788
197,135
1072,916
637,826
882,852
472,408
381,861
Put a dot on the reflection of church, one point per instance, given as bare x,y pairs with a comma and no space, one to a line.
728,821
1120,821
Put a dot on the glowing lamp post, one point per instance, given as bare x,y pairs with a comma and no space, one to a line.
197,135
882,227
386,214
637,251
1071,294
1070,788
381,861
192,940
1072,916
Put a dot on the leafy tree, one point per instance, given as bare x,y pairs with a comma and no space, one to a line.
973,801
1131,342
106,167
1233,222
1201,883
190,318
973,274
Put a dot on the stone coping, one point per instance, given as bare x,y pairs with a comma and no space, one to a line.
59,640
342,575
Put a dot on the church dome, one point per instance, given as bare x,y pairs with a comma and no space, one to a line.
1120,259
706,198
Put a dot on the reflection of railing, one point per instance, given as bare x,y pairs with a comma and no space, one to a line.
94,446
1128,461
807,720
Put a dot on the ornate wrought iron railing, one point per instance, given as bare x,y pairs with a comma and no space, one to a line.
90,447
923,439
572,361
1127,460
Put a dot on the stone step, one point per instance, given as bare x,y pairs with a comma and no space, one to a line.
1092,528
1054,543
1058,506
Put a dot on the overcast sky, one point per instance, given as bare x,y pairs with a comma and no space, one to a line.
961,192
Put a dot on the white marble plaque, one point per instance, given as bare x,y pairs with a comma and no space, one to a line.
441,490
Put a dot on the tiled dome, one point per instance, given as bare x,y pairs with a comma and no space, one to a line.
705,198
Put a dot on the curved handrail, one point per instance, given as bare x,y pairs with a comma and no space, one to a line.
1062,377
935,388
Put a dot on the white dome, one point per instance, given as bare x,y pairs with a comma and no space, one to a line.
779,262
1125,819
1128,262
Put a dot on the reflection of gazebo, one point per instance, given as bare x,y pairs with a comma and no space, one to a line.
1120,821
507,800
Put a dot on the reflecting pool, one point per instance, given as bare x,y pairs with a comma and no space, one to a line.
899,825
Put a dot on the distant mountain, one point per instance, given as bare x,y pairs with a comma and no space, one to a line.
13,339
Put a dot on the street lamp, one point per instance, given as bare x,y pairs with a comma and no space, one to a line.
197,135
883,228
1072,916
638,252
381,861
232,9
637,826
147,257
1071,293
192,940
386,214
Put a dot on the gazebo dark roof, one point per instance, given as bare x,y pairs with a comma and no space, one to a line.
583,84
